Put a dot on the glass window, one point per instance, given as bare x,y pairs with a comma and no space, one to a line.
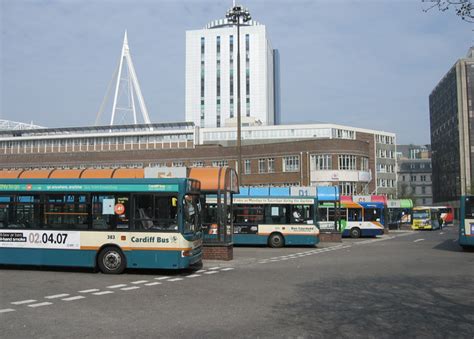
110,211
347,162
156,212
364,164
66,211
276,214
248,214
262,165
354,214
271,165
192,210
321,162
247,169
372,214
302,214
291,163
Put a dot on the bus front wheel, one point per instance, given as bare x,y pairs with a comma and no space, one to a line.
111,260
276,240
355,232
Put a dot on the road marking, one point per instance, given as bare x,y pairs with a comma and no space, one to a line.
89,291
117,286
77,297
103,292
57,296
40,304
214,268
153,283
441,233
193,276
6,310
178,279
23,302
162,278
139,282
200,271
419,240
211,272
130,288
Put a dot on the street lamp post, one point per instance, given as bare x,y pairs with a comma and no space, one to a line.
234,16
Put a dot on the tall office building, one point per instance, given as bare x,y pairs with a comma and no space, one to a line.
452,137
211,75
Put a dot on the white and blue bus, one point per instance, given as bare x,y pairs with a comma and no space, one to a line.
466,222
272,216
112,224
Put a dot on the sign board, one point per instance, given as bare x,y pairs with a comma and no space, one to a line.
165,172
304,191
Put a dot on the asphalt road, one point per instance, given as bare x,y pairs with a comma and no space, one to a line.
405,284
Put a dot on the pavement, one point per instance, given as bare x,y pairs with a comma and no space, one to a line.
404,284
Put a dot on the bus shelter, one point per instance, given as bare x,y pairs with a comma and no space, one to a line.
218,185
329,206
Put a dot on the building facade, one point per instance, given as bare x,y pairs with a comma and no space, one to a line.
211,75
452,138
359,161
415,174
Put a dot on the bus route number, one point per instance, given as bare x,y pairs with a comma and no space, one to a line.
45,238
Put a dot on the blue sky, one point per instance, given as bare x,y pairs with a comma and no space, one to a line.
367,63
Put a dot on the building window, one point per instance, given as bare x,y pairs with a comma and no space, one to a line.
178,164
423,190
413,178
247,74
347,188
198,164
202,81
271,165
262,165
231,74
291,163
422,177
220,163
347,162
247,167
364,164
321,162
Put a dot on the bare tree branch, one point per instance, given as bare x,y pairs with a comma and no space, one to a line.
462,8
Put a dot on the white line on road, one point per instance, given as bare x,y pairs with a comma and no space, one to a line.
162,278
200,271
227,269
23,302
441,233
418,240
90,290
117,286
211,272
139,282
153,283
214,268
193,276
130,288
178,279
6,310
77,297
103,292
40,304
57,296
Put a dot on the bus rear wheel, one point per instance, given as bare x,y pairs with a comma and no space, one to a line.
355,232
111,260
276,240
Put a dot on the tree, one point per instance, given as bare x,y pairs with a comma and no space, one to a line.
463,8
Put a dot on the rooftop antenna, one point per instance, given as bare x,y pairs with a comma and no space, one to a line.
128,84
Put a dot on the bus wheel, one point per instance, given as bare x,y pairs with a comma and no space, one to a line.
111,260
355,232
276,240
